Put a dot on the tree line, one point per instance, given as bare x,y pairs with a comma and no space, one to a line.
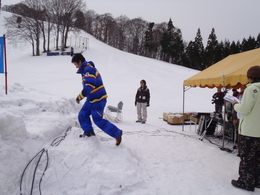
37,21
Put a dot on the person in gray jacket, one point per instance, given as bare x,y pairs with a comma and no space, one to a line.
249,130
142,101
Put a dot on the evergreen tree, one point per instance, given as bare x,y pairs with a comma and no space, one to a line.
158,32
166,41
210,51
244,45
195,52
150,44
251,43
235,47
172,44
258,41
219,52
226,49
248,44
177,47
199,51
190,55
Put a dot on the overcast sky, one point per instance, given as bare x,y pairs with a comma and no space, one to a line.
232,19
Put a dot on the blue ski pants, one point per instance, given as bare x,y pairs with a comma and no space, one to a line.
96,110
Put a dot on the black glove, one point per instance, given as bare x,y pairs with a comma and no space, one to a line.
77,100
148,104
79,97
135,103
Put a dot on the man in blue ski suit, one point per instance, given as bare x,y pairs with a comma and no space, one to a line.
96,98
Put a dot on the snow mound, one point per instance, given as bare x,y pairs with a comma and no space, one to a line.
12,135
12,127
100,166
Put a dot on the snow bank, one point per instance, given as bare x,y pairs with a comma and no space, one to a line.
33,120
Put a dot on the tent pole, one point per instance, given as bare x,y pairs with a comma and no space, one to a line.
224,126
183,100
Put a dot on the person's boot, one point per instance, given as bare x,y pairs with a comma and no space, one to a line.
240,185
257,183
88,134
119,138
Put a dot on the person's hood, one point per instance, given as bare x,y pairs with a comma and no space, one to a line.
256,84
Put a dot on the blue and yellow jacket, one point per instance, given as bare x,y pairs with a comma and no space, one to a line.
93,88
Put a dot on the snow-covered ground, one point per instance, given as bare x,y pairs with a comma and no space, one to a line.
153,159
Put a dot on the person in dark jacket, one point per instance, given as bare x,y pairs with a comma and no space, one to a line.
142,101
96,98
218,100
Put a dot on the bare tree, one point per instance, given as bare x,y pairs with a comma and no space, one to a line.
28,23
56,13
97,27
46,23
90,17
31,18
135,35
22,32
36,15
68,17
122,22
106,26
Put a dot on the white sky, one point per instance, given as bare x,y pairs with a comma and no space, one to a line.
232,19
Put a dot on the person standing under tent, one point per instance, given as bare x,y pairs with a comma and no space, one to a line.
96,98
218,100
235,92
142,101
249,130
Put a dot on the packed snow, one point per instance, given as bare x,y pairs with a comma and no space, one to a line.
40,148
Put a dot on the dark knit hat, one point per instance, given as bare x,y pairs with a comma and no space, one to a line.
253,72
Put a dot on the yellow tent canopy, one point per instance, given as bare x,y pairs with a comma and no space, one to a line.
229,72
